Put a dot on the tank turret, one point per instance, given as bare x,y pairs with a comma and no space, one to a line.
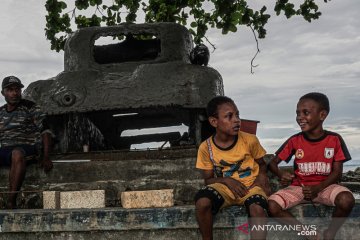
144,81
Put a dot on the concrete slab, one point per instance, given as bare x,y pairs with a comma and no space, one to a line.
147,199
74,199
51,200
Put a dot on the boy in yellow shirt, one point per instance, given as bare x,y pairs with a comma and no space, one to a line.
233,170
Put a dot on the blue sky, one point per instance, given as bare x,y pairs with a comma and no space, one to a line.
296,57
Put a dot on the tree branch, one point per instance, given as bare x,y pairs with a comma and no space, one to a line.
257,51
212,45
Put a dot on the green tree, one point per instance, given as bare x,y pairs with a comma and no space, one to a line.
197,15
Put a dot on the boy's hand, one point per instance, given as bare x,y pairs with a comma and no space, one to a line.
236,187
286,178
310,192
262,181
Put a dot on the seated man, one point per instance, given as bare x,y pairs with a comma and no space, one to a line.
21,132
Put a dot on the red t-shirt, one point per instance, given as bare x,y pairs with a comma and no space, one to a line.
313,157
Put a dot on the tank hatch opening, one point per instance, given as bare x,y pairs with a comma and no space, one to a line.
126,48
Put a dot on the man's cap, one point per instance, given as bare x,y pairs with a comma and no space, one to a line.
11,80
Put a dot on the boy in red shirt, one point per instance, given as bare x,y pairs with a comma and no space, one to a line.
233,170
319,157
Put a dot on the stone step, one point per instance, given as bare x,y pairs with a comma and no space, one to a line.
31,196
150,223
114,172
114,166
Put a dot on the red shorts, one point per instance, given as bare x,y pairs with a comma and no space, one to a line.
292,196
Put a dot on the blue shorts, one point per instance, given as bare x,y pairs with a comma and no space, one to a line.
30,151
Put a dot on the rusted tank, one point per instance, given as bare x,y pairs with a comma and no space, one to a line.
145,81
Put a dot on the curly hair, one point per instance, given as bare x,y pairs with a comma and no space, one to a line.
212,106
320,98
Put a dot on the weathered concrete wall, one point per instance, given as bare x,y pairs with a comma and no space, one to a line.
114,172
153,223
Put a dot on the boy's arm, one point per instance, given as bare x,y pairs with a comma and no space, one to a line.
236,187
311,192
285,177
273,166
262,179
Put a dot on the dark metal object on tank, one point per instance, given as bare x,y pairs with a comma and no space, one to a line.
145,81
200,55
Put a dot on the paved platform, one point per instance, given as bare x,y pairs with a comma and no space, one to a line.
117,171
153,223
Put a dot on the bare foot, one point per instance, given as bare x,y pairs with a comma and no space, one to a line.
328,235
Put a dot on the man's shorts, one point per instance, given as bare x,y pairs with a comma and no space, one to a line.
30,151
292,196
222,196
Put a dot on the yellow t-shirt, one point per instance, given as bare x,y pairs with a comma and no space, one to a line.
238,161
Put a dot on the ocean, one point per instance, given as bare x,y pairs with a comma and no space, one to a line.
351,165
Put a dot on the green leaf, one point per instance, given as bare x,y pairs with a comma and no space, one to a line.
193,24
62,5
236,16
232,28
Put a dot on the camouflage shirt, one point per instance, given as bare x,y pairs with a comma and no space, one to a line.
23,125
